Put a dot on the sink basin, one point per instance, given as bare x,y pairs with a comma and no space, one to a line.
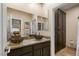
37,37
16,37
16,40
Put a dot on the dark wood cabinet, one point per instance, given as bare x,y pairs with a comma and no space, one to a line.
60,29
42,49
39,49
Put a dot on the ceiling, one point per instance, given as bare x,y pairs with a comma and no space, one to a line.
66,6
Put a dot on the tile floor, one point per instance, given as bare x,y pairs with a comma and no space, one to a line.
66,52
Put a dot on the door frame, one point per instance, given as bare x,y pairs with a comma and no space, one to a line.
3,29
0,29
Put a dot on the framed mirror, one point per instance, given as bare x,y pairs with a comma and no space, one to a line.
16,25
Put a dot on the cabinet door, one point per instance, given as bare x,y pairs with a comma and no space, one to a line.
38,52
46,51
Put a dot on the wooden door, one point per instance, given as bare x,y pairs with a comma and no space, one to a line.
60,39
64,29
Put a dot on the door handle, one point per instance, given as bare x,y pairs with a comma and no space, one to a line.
7,49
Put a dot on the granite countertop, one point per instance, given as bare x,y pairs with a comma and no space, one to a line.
26,43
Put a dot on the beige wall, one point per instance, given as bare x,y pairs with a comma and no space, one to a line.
19,14
71,25
34,8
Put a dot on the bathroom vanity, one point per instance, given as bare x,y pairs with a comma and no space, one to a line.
30,47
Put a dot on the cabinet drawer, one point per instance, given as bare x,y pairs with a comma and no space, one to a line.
41,45
20,51
38,46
